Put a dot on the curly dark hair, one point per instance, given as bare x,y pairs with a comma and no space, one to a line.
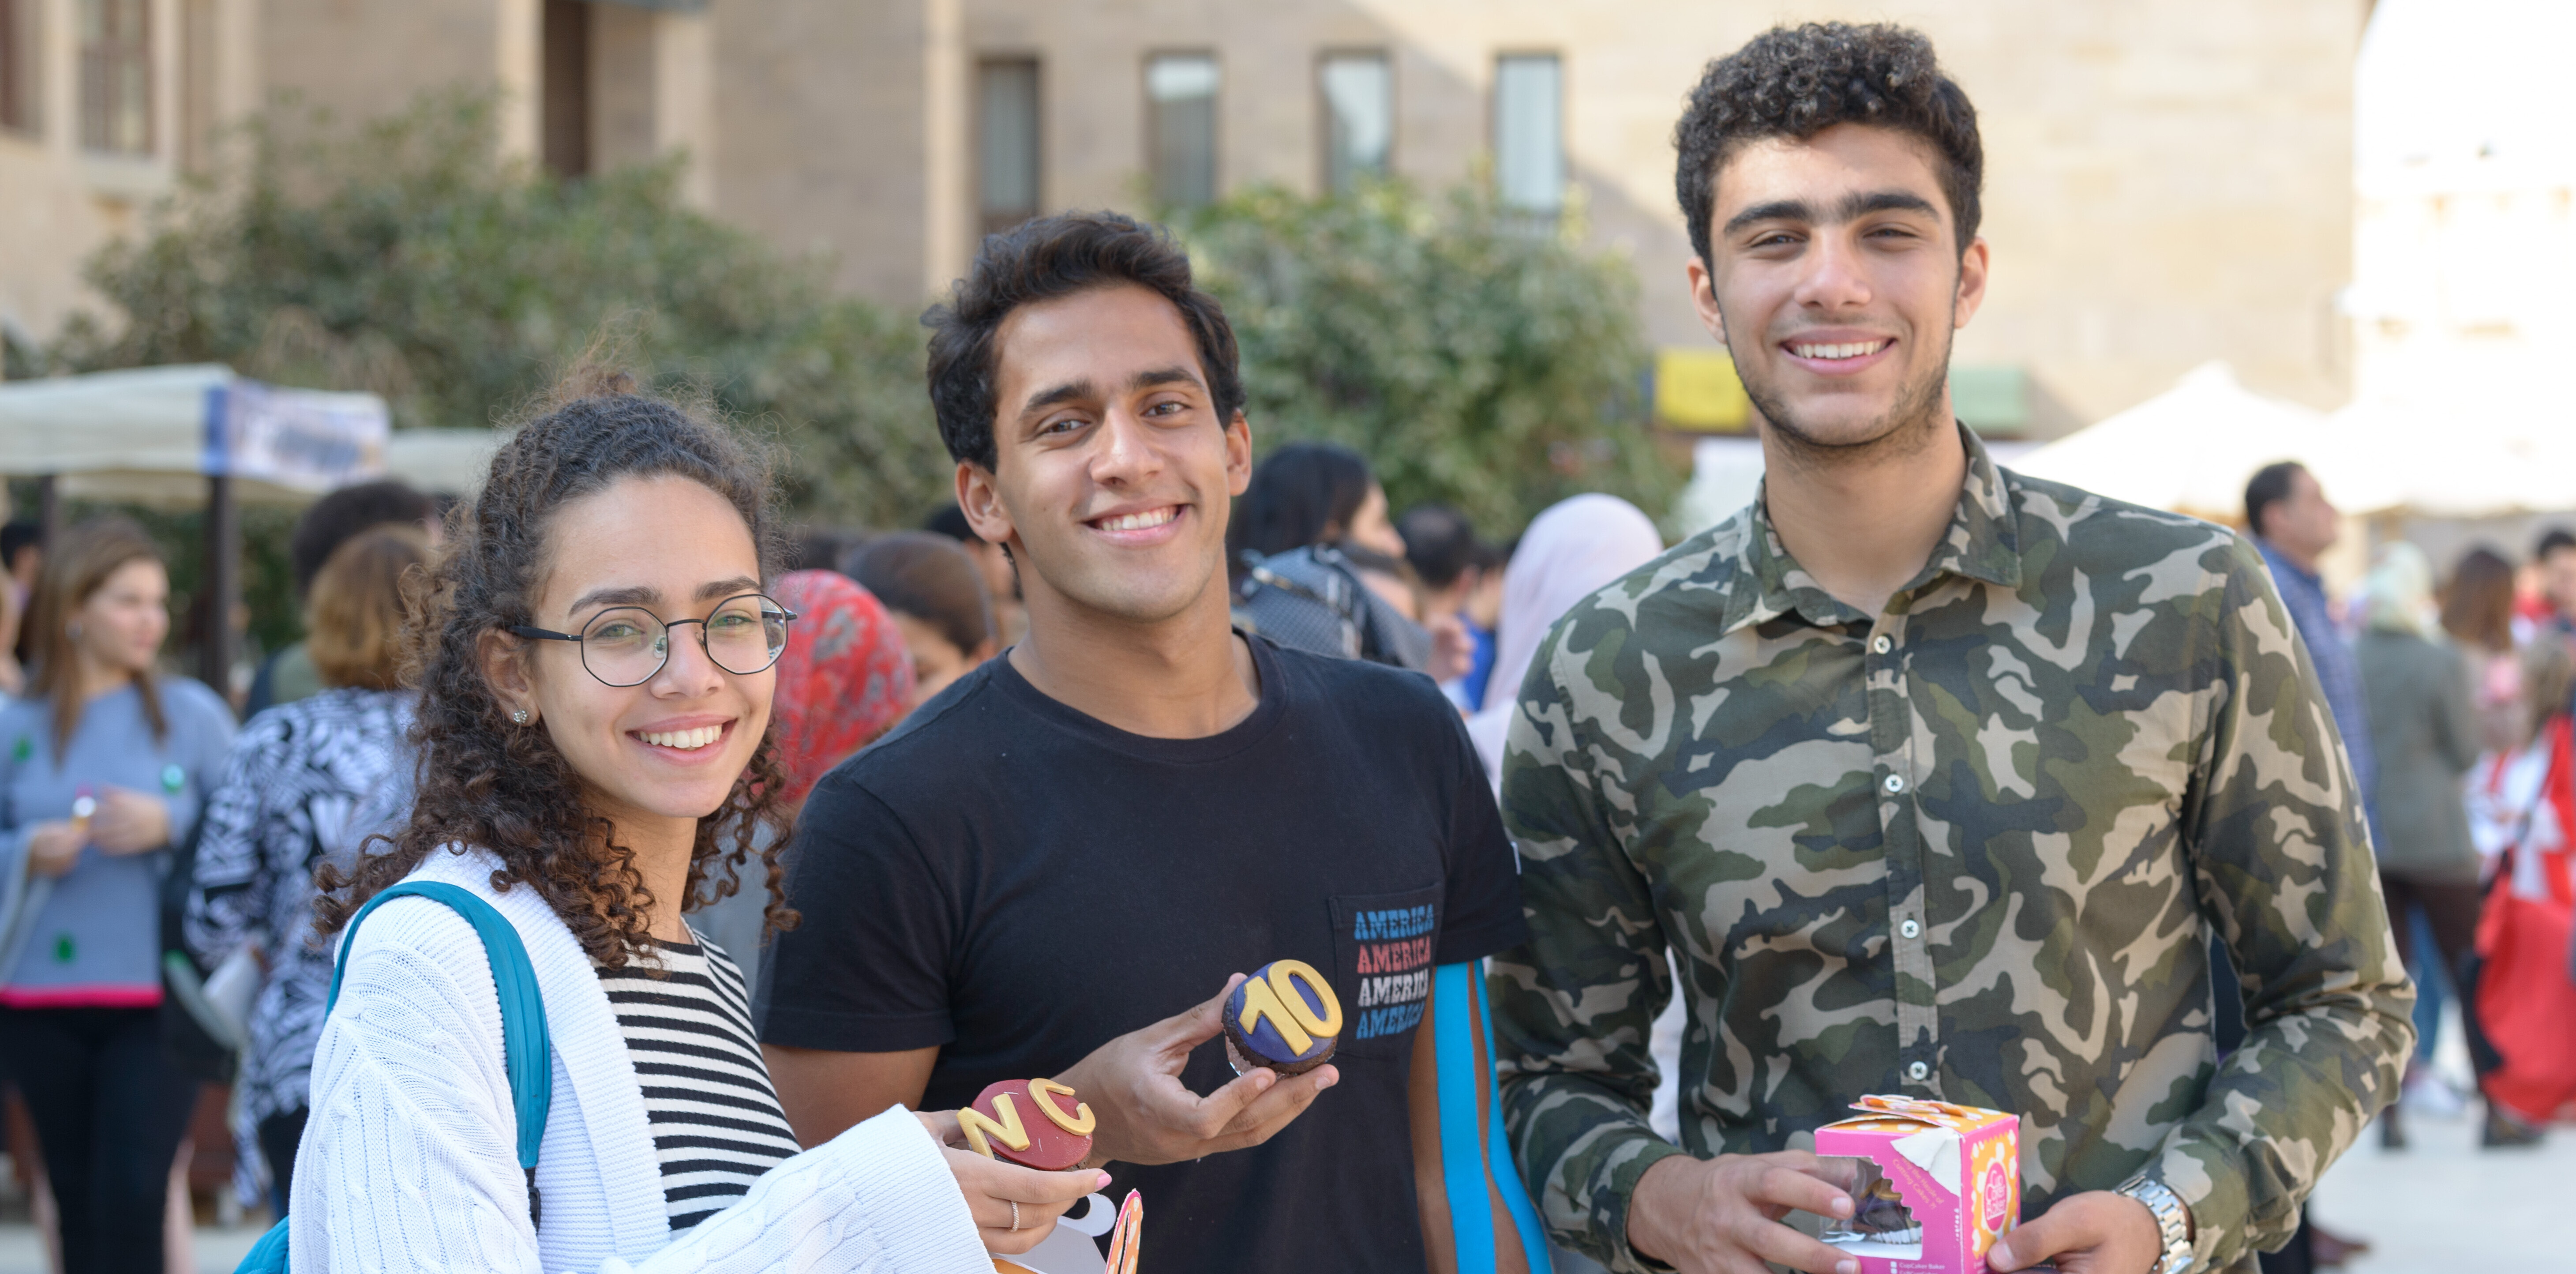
1042,260
1799,81
482,782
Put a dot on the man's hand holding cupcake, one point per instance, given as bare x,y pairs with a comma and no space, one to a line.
1147,1116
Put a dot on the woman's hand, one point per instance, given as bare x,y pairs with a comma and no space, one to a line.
1014,1207
129,822
52,848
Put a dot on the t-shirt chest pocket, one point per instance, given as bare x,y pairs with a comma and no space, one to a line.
1382,945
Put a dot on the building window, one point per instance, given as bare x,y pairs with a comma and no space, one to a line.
1180,128
116,75
563,95
1529,132
18,45
1006,142
1358,93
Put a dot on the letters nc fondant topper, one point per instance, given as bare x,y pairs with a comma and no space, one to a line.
1035,1123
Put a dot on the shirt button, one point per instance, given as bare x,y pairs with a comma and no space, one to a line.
1911,928
1881,644
1918,1072
1895,784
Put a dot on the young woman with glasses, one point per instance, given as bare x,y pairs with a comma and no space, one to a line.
593,741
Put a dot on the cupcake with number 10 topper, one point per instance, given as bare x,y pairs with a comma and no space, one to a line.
1284,1017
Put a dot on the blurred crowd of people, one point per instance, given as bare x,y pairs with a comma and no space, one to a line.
2453,695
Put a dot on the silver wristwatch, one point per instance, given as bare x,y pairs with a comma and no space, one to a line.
2173,1222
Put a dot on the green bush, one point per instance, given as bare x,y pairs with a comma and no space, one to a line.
1472,356
405,257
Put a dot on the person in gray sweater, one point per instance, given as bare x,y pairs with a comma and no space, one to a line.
103,768
2424,726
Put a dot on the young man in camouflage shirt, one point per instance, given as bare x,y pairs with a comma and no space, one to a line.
1935,779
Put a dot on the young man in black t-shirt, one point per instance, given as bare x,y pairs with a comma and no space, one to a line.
1057,866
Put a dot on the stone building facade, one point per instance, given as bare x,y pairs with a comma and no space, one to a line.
102,104
2166,183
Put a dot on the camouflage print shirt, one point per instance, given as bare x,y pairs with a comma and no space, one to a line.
1972,848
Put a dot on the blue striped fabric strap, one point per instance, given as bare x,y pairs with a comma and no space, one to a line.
1458,1025
525,1046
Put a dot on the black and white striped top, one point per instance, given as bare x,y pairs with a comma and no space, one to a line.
716,1121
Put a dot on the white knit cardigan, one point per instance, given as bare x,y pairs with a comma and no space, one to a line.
409,1160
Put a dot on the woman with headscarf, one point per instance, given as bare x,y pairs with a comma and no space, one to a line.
2424,726
844,679
1574,549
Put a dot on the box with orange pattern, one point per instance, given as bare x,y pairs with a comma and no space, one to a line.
1938,1184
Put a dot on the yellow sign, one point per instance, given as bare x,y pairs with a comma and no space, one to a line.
1696,389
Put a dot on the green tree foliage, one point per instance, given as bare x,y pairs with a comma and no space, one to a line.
1474,358
1471,356
407,258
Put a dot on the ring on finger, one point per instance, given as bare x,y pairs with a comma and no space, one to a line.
1015,1216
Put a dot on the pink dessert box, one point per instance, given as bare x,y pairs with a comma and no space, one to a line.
1956,1168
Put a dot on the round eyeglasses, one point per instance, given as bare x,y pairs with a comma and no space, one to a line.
626,645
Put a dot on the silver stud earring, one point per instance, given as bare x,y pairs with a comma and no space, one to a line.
519,717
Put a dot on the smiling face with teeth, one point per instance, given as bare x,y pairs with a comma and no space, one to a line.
1835,280
1113,473
657,757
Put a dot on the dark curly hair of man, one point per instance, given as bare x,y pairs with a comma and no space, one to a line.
1799,81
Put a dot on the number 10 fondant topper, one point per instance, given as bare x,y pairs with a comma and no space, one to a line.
1284,1017
996,1126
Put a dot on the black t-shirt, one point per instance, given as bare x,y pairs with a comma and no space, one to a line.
1018,883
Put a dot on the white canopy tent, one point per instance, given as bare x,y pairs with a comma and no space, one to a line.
2466,458
152,435
195,434
2192,448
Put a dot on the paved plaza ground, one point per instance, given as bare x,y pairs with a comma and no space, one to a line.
2444,1206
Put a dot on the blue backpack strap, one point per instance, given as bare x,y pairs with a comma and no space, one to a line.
268,1256
526,1047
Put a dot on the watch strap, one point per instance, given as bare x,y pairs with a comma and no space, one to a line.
2173,1222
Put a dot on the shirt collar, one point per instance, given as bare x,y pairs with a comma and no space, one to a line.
1983,543
2280,562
